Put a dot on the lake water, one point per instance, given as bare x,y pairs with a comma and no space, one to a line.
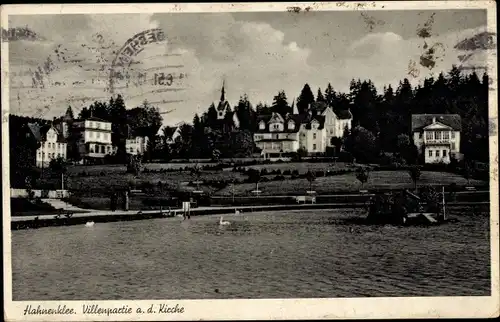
261,255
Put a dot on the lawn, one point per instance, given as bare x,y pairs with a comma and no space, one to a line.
120,168
303,167
96,184
349,183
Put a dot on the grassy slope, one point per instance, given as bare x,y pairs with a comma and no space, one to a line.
348,182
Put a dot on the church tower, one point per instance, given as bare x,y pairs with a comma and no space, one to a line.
223,104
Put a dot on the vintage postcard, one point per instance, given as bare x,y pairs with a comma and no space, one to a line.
250,161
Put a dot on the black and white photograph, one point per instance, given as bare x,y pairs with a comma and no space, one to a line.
328,160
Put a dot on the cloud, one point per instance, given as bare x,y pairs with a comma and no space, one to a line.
252,57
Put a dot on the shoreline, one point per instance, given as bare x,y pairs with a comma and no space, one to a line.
31,222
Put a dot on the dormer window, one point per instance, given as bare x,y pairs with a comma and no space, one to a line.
262,125
291,125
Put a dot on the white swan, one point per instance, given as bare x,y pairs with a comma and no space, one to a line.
223,223
89,224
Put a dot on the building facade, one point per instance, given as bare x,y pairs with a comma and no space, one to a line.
94,138
279,136
313,135
52,144
437,136
137,145
335,123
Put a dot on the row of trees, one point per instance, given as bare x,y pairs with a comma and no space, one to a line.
381,121
144,120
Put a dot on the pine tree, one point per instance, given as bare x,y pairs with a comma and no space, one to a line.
211,116
244,112
320,97
304,100
280,104
330,95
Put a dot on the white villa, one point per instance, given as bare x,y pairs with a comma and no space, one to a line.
52,144
437,136
279,136
95,138
137,145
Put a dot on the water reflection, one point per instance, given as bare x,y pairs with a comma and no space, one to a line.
261,255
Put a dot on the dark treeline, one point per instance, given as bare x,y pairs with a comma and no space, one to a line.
381,120
144,120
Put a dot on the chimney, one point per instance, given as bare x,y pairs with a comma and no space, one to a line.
433,119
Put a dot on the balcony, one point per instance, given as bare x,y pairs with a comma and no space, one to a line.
438,141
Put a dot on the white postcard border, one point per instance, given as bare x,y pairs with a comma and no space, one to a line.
396,307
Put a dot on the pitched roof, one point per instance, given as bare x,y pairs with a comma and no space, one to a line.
419,121
93,118
268,118
320,119
297,119
169,131
40,132
342,114
223,105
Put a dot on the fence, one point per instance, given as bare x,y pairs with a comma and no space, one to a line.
37,193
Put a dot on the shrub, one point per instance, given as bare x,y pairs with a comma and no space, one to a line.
362,175
345,157
432,198
320,173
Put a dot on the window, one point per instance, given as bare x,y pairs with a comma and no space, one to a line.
91,135
262,125
276,126
91,124
429,135
453,145
437,153
446,135
452,134
314,147
444,153
98,124
98,135
430,153
437,135
420,135
314,136
102,149
291,125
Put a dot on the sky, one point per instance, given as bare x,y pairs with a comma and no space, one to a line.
257,53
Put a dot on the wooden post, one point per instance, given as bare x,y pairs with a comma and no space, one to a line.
62,181
233,191
444,206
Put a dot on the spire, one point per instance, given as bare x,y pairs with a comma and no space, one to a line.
69,114
223,92
294,108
